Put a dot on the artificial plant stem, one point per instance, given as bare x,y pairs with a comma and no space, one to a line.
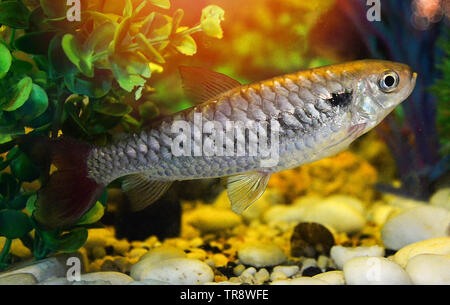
13,36
5,250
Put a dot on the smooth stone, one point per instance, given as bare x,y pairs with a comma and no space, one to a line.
262,276
339,215
331,277
115,278
208,219
307,263
439,245
429,269
148,282
284,213
441,198
381,213
287,270
248,275
340,255
18,279
56,281
374,271
179,271
416,224
154,256
304,280
277,275
261,255
43,269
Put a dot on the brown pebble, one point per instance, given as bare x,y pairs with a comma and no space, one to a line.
310,240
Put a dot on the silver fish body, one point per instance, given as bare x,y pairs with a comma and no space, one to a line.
319,113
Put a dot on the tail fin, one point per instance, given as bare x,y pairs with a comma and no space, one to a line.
69,192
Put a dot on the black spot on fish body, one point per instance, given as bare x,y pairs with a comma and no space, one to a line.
340,99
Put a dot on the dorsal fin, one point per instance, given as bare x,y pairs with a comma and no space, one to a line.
203,85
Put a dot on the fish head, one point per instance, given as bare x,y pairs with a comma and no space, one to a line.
379,87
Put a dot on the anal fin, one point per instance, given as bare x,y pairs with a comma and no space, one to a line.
244,189
142,191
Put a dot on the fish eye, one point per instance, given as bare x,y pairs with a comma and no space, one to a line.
388,81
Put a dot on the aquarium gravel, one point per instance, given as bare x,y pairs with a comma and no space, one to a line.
272,243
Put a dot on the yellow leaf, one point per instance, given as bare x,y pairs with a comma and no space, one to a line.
212,16
186,45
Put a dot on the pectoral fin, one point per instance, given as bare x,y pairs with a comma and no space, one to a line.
142,191
245,189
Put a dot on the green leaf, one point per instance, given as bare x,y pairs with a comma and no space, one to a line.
24,169
120,34
20,68
36,43
100,39
68,243
148,50
21,94
96,87
31,204
35,106
5,60
54,8
19,202
14,224
165,4
185,45
74,52
14,14
148,111
112,108
59,64
128,69
93,215
8,185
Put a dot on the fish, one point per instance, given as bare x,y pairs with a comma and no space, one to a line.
309,115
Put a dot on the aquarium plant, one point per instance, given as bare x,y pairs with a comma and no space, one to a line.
83,71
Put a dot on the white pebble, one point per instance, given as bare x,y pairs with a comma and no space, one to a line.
304,280
261,255
441,198
374,271
331,277
115,278
429,269
416,224
439,245
262,276
287,270
18,279
308,262
340,254
340,215
179,271
277,275
209,219
154,256
248,275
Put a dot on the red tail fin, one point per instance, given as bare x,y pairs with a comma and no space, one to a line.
69,193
